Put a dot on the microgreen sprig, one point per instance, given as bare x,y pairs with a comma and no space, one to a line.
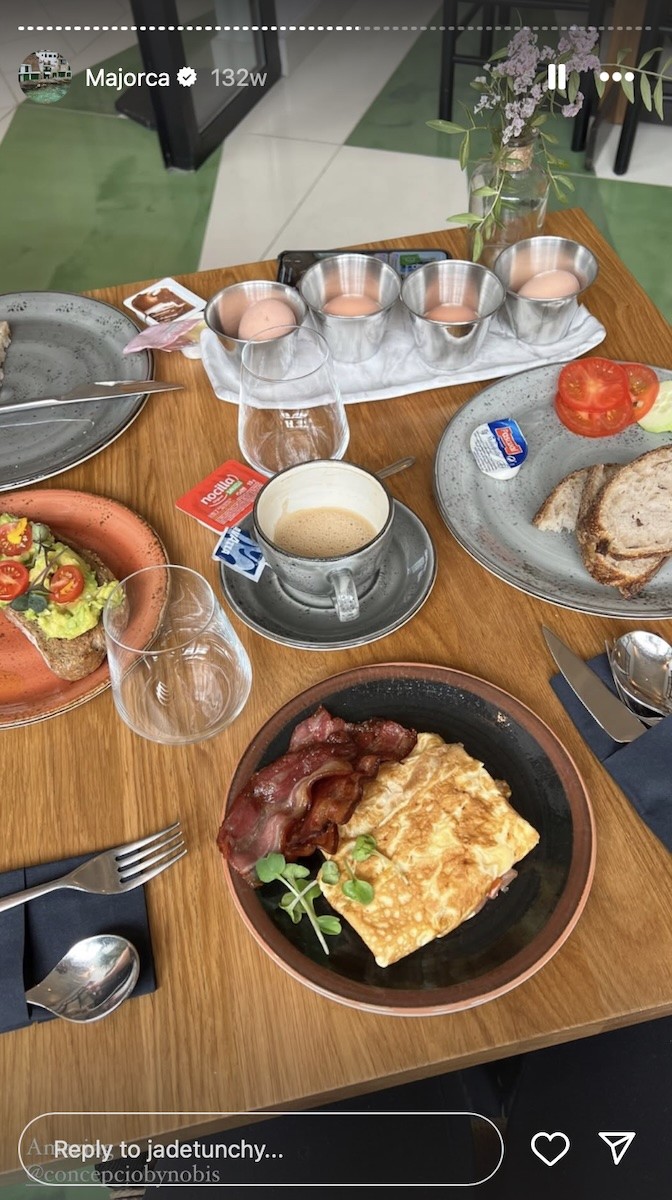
353,887
300,898
37,597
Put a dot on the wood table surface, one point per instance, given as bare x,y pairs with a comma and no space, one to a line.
227,1030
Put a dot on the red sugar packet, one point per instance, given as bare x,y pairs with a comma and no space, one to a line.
225,497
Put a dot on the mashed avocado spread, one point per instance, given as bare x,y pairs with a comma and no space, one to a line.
59,620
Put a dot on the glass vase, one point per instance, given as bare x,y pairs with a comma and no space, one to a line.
514,171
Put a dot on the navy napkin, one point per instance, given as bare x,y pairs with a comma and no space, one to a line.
642,769
36,935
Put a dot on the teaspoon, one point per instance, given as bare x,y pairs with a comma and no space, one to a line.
90,981
641,663
400,465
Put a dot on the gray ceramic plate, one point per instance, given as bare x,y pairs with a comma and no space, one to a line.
61,342
492,518
405,580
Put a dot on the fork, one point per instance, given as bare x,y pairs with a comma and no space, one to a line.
116,870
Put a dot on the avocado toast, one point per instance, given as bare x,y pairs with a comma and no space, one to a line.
54,593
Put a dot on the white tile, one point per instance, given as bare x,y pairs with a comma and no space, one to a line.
11,87
27,12
366,195
102,47
260,182
5,122
331,89
6,95
651,158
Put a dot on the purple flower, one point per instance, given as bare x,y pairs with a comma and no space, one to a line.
578,44
570,110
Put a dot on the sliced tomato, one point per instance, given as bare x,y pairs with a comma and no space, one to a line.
643,385
16,539
595,422
14,580
67,584
593,384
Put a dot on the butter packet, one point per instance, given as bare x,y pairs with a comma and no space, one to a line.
225,498
238,551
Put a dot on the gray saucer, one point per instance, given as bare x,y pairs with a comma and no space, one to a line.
405,580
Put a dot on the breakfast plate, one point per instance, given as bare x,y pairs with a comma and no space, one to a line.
62,341
29,691
515,934
492,519
404,582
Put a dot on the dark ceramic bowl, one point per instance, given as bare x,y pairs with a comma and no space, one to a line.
513,935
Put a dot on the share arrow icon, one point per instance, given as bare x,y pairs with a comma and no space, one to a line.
618,1143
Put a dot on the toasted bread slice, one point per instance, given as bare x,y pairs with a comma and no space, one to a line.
69,658
629,576
632,516
560,509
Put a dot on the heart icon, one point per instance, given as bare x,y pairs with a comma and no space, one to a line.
546,1153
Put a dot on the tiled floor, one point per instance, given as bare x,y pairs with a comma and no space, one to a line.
338,152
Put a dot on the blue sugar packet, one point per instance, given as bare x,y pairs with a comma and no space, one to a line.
240,552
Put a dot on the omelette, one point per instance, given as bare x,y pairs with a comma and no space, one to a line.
445,835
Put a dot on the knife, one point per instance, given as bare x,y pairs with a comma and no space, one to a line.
109,389
607,709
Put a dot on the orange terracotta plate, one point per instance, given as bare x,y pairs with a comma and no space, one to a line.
29,691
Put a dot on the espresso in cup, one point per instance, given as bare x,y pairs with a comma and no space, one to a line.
324,527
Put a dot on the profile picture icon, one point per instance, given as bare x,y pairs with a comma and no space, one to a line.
45,76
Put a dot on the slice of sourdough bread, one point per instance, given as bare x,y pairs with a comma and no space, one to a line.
629,576
560,509
632,515
69,658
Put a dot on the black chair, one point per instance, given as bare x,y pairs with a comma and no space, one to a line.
505,14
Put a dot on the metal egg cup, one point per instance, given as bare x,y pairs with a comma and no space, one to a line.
224,310
543,321
355,338
445,346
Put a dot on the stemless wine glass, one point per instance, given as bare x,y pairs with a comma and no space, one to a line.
178,670
290,406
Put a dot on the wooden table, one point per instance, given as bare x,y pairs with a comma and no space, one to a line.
227,1029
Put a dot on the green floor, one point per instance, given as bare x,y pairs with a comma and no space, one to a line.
634,217
86,199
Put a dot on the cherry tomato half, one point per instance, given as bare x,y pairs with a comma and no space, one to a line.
643,386
16,539
595,422
67,584
593,384
14,580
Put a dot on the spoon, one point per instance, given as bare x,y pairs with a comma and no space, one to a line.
640,710
90,981
641,663
400,465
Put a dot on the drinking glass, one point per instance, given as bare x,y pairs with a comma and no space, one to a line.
290,406
178,670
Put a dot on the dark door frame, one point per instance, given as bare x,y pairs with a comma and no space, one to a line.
170,110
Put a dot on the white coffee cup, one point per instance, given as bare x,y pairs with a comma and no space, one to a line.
316,579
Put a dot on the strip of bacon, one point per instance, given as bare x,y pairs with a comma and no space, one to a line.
296,803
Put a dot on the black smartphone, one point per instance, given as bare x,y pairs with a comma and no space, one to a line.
292,264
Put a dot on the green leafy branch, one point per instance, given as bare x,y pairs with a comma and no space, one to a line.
302,892
652,96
